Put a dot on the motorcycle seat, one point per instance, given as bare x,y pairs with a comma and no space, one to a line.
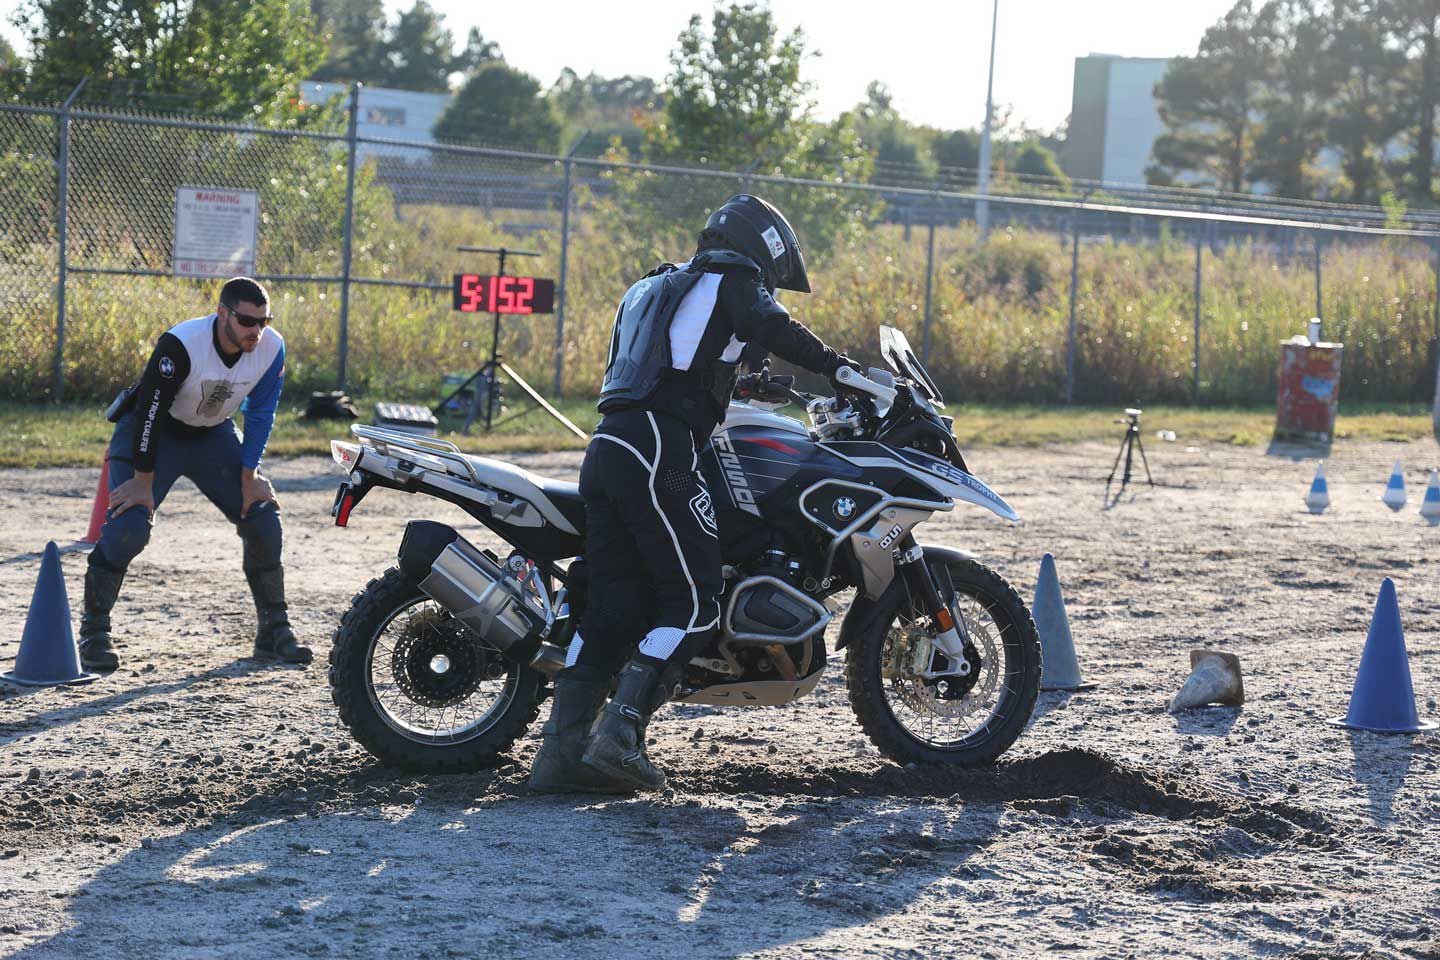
558,501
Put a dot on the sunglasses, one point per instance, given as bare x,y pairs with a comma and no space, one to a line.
246,321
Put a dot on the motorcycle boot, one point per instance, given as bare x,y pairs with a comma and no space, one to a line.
102,587
617,747
274,640
579,694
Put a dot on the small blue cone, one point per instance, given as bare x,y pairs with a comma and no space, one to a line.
1059,668
1383,699
1430,506
1319,496
1394,495
48,655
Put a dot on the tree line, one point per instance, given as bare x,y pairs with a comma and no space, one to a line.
1325,99
725,102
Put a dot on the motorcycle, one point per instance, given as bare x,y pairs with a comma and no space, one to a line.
442,662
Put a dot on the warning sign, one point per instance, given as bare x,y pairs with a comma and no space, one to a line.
214,232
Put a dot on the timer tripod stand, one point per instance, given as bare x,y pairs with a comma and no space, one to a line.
489,373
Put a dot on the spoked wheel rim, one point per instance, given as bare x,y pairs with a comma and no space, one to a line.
432,680
952,713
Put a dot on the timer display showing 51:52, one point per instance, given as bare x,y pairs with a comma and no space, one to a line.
474,293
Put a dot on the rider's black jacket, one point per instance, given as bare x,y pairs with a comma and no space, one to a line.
742,311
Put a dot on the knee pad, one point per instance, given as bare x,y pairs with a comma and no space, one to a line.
124,536
262,535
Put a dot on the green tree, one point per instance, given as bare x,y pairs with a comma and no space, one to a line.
1208,103
957,154
239,57
478,52
1036,164
1413,27
355,31
736,102
12,69
902,153
419,52
1362,116
607,107
1292,36
500,104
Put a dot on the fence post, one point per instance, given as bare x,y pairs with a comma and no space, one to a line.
1318,302
564,268
347,237
1196,336
62,200
1074,286
929,275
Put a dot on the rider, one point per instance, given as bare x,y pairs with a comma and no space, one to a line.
176,423
650,537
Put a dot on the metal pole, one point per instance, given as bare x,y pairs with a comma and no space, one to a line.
929,279
1198,248
1435,321
1318,309
1074,286
62,182
349,231
564,268
494,366
982,208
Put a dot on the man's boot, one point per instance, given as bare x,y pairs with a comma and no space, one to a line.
579,694
274,640
617,747
102,587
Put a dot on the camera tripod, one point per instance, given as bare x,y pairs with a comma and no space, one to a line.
1128,446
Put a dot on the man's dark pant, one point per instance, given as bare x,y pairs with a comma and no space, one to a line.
650,545
212,461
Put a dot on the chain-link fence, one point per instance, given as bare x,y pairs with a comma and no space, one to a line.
1065,298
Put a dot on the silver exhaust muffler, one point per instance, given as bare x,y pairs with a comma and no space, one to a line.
482,594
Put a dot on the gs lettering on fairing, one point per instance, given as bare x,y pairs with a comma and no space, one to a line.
441,663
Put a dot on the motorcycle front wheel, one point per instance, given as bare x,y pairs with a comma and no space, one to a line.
419,689
965,721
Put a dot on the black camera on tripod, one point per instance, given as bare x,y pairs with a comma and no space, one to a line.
1128,446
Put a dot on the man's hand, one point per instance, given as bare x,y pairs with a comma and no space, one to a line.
254,489
844,361
138,491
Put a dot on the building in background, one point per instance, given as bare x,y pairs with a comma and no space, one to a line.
387,115
1114,121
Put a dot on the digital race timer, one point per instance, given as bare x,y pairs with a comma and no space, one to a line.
503,294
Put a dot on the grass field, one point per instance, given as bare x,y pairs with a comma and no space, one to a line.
46,435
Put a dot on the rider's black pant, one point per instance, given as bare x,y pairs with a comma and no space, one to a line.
650,545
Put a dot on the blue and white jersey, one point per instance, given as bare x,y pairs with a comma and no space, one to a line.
214,391
197,386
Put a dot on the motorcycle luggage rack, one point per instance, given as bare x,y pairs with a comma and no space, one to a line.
443,450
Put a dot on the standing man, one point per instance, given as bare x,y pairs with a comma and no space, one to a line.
650,536
176,423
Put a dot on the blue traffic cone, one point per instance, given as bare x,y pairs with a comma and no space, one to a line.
48,656
1383,699
1430,506
1394,495
1319,496
1059,668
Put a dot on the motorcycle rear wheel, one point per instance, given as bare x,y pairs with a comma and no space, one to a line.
915,721
419,690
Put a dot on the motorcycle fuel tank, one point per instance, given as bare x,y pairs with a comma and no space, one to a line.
753,454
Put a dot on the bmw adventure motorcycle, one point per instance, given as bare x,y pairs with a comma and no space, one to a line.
442,663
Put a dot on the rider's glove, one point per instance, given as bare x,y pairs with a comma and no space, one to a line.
841,363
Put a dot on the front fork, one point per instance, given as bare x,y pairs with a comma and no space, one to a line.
948,636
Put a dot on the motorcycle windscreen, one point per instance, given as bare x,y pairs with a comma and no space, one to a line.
895,348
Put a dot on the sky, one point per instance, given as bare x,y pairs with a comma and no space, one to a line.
932,54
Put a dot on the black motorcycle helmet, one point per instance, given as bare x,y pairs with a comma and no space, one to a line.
749,225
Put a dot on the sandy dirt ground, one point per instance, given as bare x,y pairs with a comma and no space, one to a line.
199,804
